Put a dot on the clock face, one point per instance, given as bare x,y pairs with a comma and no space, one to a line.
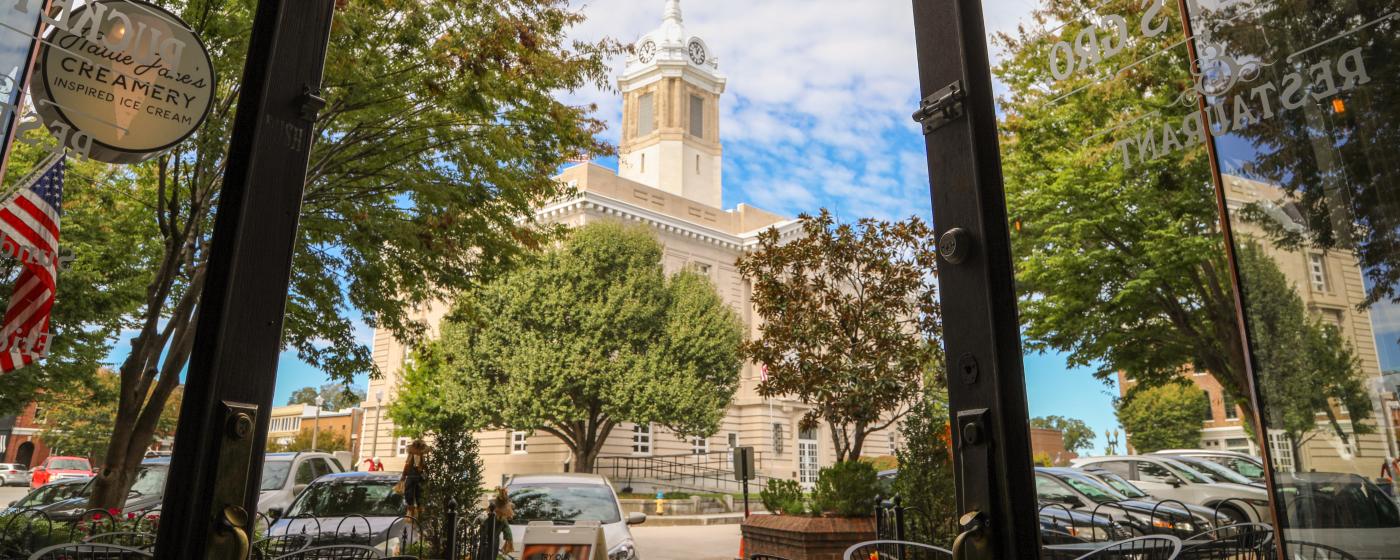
647,52
697,52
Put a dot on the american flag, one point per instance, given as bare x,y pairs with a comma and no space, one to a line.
763,372
29,224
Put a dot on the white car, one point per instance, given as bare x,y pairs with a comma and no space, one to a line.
1244,464
568,498
284,475
14,474
1168,479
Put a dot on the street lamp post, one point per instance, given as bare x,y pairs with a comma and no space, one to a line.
378,413
316,431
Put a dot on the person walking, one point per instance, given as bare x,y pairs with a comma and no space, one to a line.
412,478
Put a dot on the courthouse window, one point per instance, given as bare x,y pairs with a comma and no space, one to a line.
778,438
1317,270
518,443
641,439
699,446
697,116
646,114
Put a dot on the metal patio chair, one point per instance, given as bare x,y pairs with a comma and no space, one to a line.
280,545
1151,547
91,551
895,550
765,557
1245,541
334,552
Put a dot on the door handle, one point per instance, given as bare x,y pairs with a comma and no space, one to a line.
235,520
971,543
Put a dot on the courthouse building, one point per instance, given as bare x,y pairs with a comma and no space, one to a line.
669,179
1331,286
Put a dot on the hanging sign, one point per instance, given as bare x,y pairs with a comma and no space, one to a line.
122,80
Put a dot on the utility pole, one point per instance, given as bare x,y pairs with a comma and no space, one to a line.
316,431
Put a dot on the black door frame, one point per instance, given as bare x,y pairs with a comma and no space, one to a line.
986,382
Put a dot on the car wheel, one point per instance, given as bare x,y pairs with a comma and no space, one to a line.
1234,514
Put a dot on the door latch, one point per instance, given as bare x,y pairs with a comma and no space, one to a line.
942,107
971,543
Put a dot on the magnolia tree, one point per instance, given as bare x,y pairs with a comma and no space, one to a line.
587,336
850,321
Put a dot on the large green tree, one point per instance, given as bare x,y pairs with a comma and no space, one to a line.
1306,367
441,134
1077,434
1164,416
850,321
585,337
79,421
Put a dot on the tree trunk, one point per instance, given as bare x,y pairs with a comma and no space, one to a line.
860,432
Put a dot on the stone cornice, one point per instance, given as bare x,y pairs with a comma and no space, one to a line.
587,201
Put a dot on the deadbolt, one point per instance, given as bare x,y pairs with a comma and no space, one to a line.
955,245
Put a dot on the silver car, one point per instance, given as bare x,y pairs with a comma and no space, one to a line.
569,498
1168,479
284,475
14,474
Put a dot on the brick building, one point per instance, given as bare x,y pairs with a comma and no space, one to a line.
19,437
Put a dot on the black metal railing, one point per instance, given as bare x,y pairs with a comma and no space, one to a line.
699,472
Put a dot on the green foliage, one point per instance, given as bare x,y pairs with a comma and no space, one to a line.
783,497
1305,367
329,441
882,463
1042,459
588,335
441,134
851,321
23,534
1163,417
925,481
1120,269
335,396
453,472
79,422
1077,434
848,489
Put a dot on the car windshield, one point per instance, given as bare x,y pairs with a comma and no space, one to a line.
340,498
1121,485
150,481
51,493
1191,475
1216,471
564,503
274,474
1245,467
69,465
1095,490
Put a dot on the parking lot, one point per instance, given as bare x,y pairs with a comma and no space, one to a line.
11,493
705,542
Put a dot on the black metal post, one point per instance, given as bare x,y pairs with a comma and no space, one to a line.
746,498
450,528
217,459
986,386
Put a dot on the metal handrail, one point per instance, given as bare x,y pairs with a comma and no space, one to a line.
682,471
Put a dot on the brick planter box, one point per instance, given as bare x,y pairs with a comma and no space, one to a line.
805,538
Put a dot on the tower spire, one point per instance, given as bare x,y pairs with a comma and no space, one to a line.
673,11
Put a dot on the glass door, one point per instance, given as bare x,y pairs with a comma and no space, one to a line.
1200,229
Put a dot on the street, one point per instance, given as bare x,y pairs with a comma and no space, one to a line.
702,542
11,493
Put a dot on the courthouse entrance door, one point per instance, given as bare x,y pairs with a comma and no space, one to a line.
1191,203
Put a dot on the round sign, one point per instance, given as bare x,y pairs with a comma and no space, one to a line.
122,80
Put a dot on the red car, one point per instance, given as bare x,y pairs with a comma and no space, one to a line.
55,468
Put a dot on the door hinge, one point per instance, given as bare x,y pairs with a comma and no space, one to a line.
941,108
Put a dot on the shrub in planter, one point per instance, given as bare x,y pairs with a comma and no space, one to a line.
783,497
847,489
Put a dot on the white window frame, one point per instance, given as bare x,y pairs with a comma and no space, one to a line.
519,442
642,438
1317,272
699,446
401,450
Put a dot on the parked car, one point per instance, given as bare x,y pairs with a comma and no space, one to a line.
569,498
1245,465
1345,511
1060,525
146,494
349,508
284,475
47,494
14,474
58,468
1079,491
1126,488
1168,479
1216,470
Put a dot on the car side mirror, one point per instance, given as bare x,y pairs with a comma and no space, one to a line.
275,513
636,518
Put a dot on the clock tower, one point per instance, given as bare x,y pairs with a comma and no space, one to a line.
670,113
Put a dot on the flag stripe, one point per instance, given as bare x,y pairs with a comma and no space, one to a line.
29,224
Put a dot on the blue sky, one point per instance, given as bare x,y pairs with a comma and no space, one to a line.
816,115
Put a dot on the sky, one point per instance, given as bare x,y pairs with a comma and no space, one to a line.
816,115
